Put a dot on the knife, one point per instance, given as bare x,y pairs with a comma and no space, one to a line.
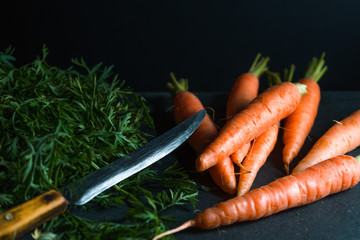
23,218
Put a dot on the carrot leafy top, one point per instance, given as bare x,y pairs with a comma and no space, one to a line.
177,86
259,65
274,78
316,68
57,125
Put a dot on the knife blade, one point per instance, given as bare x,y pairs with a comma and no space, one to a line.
23,218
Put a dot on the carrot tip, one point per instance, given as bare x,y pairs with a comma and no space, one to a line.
185,225
240,173
243,168
287,169
199,166
202,165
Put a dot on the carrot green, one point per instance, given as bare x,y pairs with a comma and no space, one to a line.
57,125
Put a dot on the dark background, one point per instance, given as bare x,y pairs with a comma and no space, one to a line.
210,42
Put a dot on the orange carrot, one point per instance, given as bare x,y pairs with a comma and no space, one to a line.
262,146
265,110
341,138
246,87
244,90
298,124
185,105
328,177
260,150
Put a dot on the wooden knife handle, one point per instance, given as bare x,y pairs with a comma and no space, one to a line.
21,219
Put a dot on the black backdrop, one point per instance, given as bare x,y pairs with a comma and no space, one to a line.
210,42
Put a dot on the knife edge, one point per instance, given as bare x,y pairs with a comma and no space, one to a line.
85,189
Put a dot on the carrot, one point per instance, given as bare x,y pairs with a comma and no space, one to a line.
328,177
341,138
185,105
244,90
298,124
246,87
261,149
265,110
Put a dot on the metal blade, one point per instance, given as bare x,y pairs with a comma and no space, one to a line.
82,191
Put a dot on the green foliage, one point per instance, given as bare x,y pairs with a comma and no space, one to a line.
58,125
259,66
316,68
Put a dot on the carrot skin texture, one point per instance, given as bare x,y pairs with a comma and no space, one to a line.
185,105
327,177
243,91
223,174
341,138
272,105
261,149
298,124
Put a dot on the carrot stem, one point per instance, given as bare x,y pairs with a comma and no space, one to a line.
357,158
187,224
287,168
288,74
259,66
302,88
253,65
177,86
273,78
316,68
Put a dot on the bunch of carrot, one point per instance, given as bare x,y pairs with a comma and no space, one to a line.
250,134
